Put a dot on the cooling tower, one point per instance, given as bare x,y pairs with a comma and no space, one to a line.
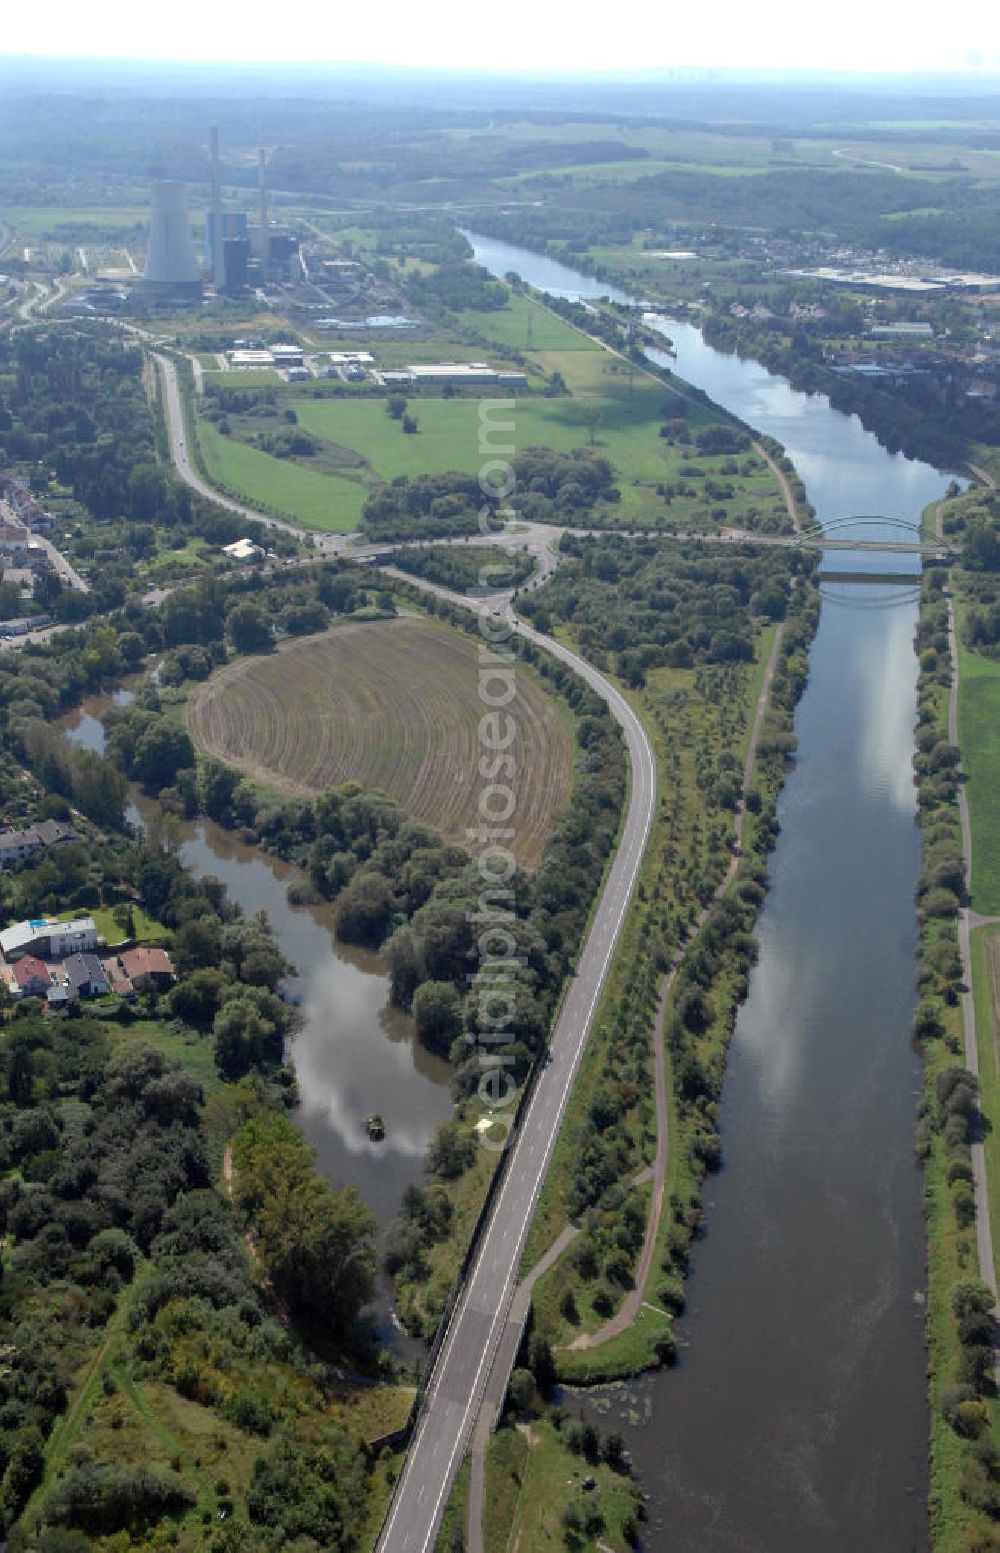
218,256
170,260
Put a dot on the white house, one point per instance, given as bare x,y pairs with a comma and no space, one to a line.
47,939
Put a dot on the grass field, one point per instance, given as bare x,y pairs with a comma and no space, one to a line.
448,437
630,404
979,732
527,325
147,929
531,1478
246,377
985,945
393,704
316,500
196,1053
627,432
33,222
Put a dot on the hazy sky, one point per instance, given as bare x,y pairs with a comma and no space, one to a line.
522,34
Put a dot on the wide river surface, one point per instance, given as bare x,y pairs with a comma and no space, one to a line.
796,1419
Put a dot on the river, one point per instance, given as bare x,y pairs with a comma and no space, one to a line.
354,1053
797,1417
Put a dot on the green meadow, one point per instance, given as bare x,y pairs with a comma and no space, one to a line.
319,501
979,736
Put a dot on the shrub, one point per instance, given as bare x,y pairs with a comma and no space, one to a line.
102,1499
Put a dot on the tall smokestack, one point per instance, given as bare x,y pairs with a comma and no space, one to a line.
218,252
261,244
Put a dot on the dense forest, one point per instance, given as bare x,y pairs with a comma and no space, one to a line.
635,604
474,569
77,425
552,487
125,1259
950,222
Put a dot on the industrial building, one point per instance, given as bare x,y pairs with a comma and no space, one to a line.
458,373
227,234
283,356
251,358
235,228
271,249
243,550
214,231
235,261
372,321
171,262
236,253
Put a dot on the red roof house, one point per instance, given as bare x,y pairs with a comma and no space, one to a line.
31,977
146,964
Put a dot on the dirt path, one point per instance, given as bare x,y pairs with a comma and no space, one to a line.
631,1305
783,480
984,475
984,1235
866,161
228,1176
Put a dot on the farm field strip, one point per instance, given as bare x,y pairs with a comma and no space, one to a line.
392,704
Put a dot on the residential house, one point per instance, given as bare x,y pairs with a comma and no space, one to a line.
78,936
29,977
119,983
23,938
54,940
15,845
13,537
147,965
85,976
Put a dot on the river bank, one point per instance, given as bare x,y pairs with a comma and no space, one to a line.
912,431
954,1022
814,1226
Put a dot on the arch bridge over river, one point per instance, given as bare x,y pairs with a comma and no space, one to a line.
904,539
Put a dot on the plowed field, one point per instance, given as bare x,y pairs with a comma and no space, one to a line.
392,704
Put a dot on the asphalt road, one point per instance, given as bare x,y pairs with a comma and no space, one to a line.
63,568
466,1358
184,466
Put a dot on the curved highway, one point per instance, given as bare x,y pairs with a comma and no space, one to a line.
468,1353
177,436
466,1359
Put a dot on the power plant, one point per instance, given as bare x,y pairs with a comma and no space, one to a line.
218,254
261,234
171,263
236,254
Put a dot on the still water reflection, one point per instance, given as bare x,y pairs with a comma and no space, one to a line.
354,1053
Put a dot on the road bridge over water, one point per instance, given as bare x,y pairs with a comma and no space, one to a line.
905,538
